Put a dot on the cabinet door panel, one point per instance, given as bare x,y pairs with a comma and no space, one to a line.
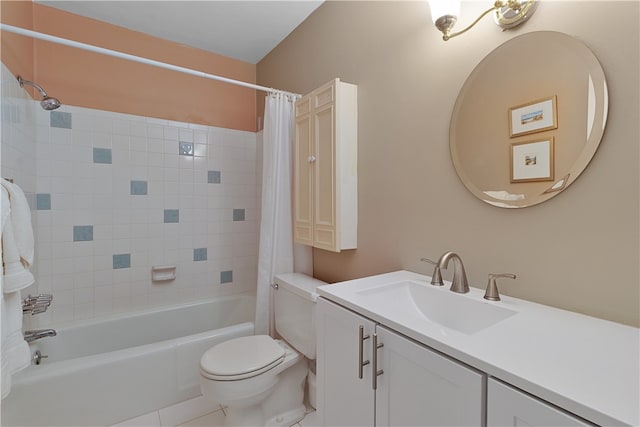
420,387
324,95
507,406
343,399
325,175
303,180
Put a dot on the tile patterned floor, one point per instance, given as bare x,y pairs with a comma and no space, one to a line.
194,413
215,419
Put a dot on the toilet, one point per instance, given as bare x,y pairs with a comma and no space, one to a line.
260,380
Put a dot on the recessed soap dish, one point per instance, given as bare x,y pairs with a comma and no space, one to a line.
163,273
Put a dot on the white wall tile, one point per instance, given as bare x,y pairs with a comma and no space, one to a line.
60,162
102,277
185,135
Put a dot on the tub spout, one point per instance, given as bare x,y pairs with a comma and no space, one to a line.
36,334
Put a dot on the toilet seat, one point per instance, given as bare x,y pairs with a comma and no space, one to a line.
241,358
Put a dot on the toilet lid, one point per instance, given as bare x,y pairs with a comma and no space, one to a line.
241,358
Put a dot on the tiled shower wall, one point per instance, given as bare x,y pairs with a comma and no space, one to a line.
18,154
117,194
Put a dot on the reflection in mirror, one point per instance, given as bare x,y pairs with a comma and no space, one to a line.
535,108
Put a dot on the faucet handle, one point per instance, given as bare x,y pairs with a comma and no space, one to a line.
492,293
436,277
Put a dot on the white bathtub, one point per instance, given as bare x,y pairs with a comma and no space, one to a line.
106,371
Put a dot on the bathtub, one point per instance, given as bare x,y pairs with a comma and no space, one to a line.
105,371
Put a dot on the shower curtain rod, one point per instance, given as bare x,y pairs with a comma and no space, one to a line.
114,53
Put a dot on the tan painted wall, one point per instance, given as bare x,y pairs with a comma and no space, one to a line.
17,51
578,251
93,80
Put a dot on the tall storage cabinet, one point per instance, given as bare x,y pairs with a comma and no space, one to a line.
325,167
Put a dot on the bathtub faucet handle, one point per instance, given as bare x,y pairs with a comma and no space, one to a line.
274,286
38,356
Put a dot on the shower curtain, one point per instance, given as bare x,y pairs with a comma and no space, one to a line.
275,254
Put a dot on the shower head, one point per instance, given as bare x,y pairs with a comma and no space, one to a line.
50,103
47,102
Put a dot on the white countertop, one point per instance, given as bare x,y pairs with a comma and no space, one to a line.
585,365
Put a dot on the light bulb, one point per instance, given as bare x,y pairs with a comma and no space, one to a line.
441,8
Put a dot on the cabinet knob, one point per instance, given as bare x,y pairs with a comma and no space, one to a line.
312,159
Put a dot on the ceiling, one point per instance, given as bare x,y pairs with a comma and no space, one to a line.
241,29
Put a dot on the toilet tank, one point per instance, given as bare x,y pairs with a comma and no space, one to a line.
294,310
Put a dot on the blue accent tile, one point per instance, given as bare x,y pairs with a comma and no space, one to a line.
139,188
60,120
171,215
82,233
213,177
121,261
43,202
185,149
200,254
226,276
238,214
102,155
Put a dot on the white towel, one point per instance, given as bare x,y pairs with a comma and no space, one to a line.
15,272
15,354
16,253
21,220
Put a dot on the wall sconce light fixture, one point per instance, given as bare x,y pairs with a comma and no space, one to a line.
508,14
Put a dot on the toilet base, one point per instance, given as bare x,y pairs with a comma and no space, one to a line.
281,407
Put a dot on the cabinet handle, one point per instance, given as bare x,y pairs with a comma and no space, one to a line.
311,159
376,372
361,363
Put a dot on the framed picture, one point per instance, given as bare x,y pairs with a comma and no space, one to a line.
532,161
533,117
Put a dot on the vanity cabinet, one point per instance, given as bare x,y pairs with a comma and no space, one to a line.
343,398
325,180
508,406
422,387
538,366
414,385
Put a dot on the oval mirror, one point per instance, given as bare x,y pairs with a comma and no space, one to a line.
528,119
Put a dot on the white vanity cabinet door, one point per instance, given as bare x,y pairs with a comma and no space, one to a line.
420,387
343,399
507,406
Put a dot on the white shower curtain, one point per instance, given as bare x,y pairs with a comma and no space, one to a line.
275,254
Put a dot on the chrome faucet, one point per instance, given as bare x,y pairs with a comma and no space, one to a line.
459,283
36,334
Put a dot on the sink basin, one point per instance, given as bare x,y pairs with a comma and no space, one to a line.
438,305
